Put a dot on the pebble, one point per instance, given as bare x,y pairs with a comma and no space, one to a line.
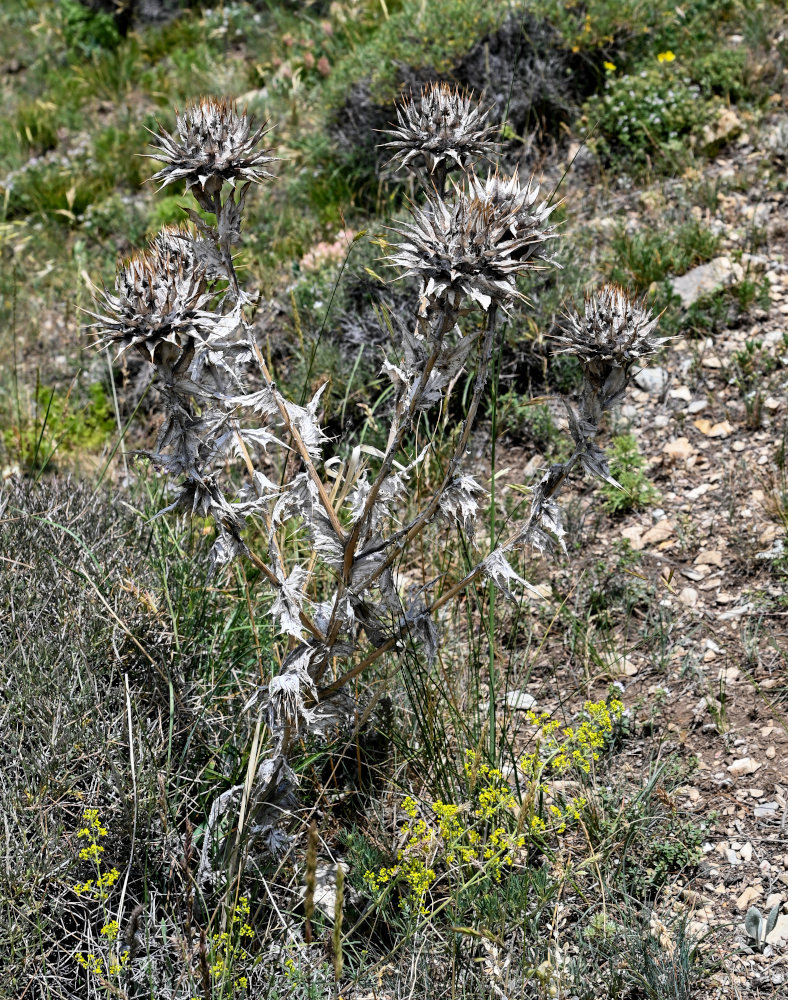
652,380
742,766
520,701
689,597
748,897
746,852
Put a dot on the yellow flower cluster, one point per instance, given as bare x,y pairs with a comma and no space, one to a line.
92,830
580,746
228,947
96,965
452,837
489,831
99,886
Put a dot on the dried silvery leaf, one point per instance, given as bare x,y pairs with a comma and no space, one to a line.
459,502
286,608
497,569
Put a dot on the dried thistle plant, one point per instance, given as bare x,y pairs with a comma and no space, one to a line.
443,129
178,303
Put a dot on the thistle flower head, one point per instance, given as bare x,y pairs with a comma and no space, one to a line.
158,292
442,126
614,330
464,247
529,220
214,144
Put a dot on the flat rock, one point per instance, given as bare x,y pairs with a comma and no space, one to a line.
652,380
703,280
780,930
742,766
519,701
679,448
748,897
662,529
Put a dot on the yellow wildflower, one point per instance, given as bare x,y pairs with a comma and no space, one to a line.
609,66
666,56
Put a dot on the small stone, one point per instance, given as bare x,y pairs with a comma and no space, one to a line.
633,535
766,810
710,557
652,380
520,701
731,856
697,406
699,491
679,448
689,597
726,127
742,766
746,852
661,530
720,430
771,752
682,392
780,930
771,403
748,897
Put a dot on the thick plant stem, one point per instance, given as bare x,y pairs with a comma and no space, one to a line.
301,448
491,585
402,538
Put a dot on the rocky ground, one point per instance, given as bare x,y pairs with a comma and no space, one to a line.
712,549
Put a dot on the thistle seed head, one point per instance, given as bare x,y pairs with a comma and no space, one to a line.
464,247
529,220
214,144
614,330
442,126
158,292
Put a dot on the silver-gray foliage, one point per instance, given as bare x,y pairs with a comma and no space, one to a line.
178,303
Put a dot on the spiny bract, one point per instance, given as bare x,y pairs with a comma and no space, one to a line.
529,220
158,294
614,329
468,247
215,144
444,126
